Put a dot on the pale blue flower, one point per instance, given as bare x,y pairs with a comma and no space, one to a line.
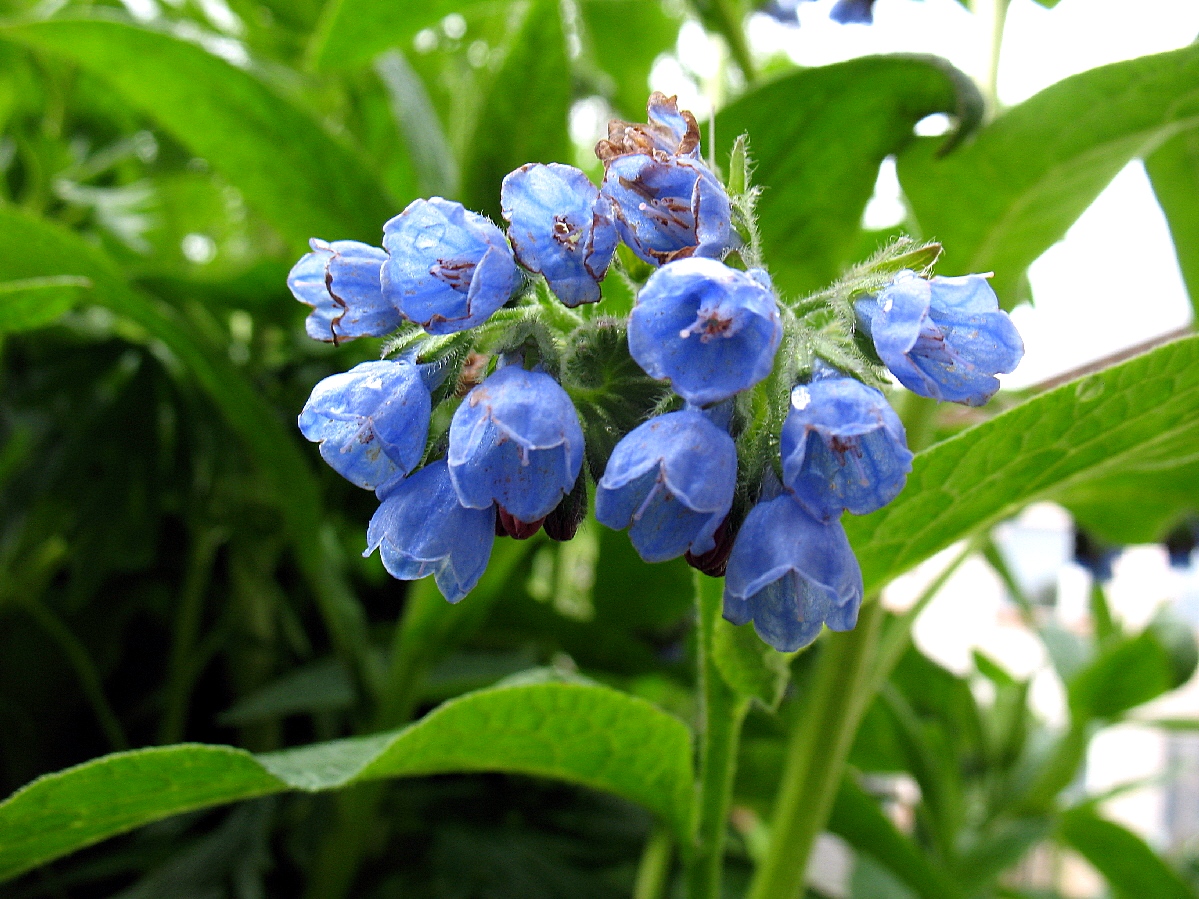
340,281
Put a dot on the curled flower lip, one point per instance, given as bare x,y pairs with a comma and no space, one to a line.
791,575
843,447
420,528
671,482
371,421
340,281
669,132
447,269
943,338
712,330
561,227
515,441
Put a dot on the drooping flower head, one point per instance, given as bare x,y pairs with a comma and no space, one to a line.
712,330
944,338
561,227
668,205
515,441
843,447
791,575
671,482
447,269
340,281
420,528
371,422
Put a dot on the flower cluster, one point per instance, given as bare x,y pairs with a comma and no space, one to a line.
715,421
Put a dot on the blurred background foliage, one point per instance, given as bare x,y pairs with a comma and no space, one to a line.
175,565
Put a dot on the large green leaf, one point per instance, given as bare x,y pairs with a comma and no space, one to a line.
290,169
34,302
523,110
624,38
1139,503
1145,409
1174,171
582,733
1132,868
1004,199
818,136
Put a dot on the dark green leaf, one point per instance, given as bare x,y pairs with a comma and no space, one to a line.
1137,504
1174,171
588,735
523,109
290,169
1004,199
1145,408
1132,868
818,137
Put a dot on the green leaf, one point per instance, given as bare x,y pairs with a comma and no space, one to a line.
1143,409
625,37
1004,199
290,169
858,820
817,137
1127,862
523,109
584,734
1139,503
748,665
352,32
34,302
1131,672
1174,172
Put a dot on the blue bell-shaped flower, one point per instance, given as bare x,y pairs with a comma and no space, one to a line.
340,281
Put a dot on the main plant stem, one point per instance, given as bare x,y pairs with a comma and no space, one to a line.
817,749
723,712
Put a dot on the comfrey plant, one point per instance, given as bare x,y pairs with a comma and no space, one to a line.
716,420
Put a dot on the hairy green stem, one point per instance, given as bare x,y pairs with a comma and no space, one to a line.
817,748
723,712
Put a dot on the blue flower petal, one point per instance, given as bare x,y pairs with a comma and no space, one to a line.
371,421
853,12
420,528
515,440
790,574
943,338
669,209
843,447
712,330
341,282
671,482
561,227
447,269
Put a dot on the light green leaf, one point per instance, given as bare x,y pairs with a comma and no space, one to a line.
817,137
748,665
290,169
858,820
1127,862
1146,408
523,110
1174,171
589,735
33,302
1001,201
625,37
351,32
